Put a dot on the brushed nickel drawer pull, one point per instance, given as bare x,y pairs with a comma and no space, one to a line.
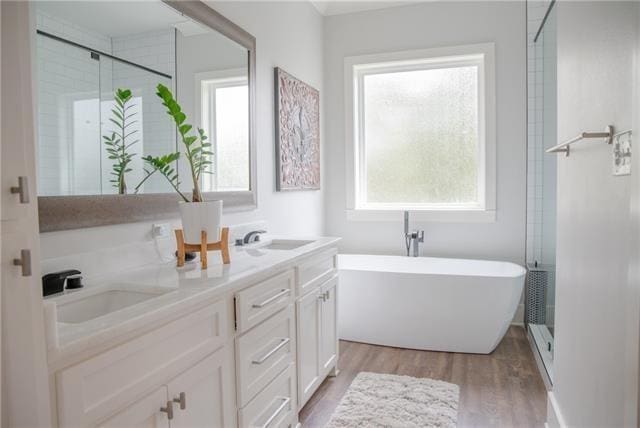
182,399
22,189
168,410
285,402
24,261
266,356
271,299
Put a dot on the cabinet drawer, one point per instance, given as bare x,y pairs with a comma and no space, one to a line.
110,381
275,406
314,271
264,352
258,302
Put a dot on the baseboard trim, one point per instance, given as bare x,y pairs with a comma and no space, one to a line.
554,415
518,317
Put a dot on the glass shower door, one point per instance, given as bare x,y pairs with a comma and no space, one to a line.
68,119
541,178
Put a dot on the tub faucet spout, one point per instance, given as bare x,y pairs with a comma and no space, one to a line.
413,238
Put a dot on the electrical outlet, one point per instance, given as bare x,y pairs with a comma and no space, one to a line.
160,230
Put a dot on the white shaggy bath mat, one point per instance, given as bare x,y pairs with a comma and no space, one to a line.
382,400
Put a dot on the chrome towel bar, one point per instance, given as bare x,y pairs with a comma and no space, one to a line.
564,147
608,136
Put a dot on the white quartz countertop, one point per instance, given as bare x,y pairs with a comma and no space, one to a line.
181,288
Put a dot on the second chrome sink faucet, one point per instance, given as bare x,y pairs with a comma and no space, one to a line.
413,238
249,238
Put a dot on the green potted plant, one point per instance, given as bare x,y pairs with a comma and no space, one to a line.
118,143
197,214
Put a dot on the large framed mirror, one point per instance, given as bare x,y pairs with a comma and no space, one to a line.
99,65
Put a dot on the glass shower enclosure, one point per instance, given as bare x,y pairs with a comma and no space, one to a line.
541,179
76,85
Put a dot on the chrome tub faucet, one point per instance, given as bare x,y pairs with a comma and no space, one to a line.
413,238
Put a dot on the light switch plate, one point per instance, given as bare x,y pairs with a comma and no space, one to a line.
160,230
622,154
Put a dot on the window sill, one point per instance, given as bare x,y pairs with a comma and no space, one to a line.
438,216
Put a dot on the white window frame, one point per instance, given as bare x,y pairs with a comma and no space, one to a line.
206,105
356,67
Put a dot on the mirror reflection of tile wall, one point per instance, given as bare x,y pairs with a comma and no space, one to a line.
76,88
75,92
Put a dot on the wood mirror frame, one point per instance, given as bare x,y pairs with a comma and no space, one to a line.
76,212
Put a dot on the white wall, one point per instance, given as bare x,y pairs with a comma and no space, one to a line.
596,308
632,354
289,35
424,26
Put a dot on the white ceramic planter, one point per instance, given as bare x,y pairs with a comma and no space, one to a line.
199,216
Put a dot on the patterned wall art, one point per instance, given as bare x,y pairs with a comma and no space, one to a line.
297,107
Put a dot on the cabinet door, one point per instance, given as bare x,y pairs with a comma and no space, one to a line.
144,413
25,385
207,391
308,313
328,329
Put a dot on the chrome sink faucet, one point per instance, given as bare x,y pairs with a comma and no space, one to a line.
251,237
413,238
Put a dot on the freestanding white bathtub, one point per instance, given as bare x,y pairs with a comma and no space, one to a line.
427,303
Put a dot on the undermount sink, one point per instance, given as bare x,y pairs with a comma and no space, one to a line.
102,303
286,244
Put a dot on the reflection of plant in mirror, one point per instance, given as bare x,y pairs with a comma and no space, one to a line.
197,150
118,144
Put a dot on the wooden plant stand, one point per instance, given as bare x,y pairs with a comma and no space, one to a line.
222,245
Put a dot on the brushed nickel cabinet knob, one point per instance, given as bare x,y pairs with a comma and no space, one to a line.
182,399
24,261
168,410
22,189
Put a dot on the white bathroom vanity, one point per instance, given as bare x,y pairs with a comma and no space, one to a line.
244,344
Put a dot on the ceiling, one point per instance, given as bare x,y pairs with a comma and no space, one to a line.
115,19
339,7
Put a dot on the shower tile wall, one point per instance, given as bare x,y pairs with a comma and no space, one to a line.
67,74
535,13
541,134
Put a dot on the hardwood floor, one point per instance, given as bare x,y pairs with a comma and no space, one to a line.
503,389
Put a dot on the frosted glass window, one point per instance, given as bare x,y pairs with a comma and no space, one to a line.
420,130
224,118
423,134
232,135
